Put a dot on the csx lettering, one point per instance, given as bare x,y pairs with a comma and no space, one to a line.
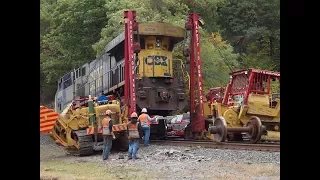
157,60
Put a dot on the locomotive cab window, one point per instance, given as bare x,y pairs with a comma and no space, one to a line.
165,47
151,40
150,45
165,43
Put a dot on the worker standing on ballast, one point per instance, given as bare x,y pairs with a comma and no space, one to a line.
145,119
107,134
134,132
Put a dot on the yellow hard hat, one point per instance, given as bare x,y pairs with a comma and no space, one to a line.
134,115
108,112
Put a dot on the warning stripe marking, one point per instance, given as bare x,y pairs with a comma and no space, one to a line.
47,119
115,128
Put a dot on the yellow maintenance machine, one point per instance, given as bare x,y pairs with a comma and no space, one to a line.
248,107
79,126
214,95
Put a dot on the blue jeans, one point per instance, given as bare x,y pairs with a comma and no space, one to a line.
133,148
107,144
146,132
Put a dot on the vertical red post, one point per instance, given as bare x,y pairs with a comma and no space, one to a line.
130,90
269,77
192,74
200,112
126,67
196,85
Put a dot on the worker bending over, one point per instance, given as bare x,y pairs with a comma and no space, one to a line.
145,119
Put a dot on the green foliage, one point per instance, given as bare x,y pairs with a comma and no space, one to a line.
257,58
147,11
208,11
73,32
275,86
69,28
259,23
217,57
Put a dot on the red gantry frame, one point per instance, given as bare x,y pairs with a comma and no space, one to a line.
258,81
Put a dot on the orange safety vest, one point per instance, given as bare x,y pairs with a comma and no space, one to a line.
143,119
105,127
133,131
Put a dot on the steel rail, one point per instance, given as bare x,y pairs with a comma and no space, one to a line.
216,145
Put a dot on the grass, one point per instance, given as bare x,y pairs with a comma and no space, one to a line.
239,171
74,170
58,170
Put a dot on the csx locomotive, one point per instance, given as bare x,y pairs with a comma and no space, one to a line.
160,80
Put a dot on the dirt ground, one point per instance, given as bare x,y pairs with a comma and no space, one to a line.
159,162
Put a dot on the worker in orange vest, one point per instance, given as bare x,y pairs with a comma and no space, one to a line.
145,119
134,132
107,134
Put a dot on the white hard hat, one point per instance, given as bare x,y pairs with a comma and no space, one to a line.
144,110
134,114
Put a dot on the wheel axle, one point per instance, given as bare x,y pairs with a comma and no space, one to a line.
253,129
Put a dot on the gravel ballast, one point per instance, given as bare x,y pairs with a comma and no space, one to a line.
174,162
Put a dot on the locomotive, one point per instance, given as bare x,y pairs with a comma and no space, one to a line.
160,80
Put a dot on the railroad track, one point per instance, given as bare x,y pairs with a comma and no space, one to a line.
216,145
208,140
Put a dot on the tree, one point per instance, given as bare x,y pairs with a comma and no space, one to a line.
258,22
68,29
218,60
173,12
208,11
